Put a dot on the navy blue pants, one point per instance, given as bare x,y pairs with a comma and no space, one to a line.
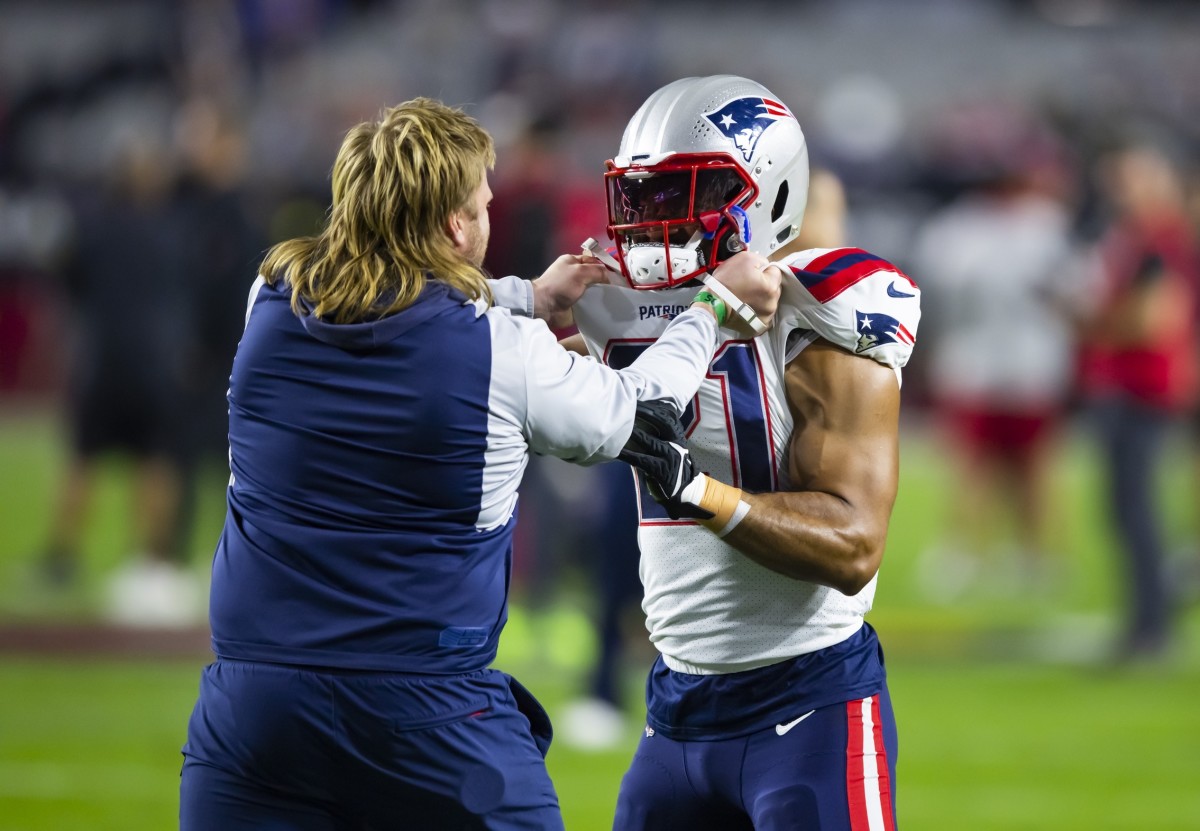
277,747
828,770
1132,436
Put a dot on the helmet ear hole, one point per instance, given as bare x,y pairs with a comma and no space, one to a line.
780,202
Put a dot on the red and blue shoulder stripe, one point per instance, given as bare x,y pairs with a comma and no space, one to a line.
835,271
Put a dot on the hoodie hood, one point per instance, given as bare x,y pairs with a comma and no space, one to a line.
435,299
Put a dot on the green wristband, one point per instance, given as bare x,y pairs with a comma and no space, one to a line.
718,305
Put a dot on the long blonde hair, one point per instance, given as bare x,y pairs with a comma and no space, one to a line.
396,183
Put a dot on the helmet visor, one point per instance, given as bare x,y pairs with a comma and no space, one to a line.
671,205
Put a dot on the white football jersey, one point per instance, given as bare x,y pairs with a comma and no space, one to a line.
709,608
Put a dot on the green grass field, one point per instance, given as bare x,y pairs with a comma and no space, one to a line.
1010,717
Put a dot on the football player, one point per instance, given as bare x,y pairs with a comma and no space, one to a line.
768,706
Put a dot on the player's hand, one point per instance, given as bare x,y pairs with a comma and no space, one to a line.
657,447
754,280
561,286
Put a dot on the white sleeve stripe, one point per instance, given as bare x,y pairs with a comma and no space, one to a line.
258,283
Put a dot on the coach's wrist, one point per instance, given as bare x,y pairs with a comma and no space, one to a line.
515,294
715,305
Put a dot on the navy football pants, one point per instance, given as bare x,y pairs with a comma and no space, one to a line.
273,747
831,770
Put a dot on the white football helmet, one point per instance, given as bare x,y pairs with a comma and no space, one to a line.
707,167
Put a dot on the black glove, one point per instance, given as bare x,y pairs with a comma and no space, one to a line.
658,449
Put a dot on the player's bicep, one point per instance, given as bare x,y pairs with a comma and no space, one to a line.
845,439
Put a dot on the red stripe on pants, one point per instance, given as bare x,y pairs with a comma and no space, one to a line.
867,797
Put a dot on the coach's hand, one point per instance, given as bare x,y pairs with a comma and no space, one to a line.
561,286
755,281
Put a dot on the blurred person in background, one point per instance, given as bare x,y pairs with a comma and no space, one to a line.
1188,566
127,378
586,519
381,413
223,245
768,704
1138,369
1001,270
825,216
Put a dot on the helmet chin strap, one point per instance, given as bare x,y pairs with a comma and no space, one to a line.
594,249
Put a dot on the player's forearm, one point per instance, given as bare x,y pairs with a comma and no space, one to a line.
816,537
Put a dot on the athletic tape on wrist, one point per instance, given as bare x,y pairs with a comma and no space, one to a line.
726,505
739,513
719,307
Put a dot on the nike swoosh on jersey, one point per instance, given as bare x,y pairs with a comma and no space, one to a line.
895,292
781,729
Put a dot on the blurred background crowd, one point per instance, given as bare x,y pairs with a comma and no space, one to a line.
1034,165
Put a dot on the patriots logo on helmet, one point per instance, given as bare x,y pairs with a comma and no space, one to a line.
876,329
743,120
